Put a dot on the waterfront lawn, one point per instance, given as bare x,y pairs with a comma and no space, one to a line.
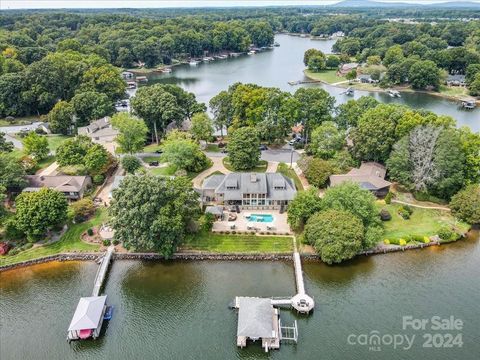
226,243
285,170
261,166
69,242
329,76
423,222
456,91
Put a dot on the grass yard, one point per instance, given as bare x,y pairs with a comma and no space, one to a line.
261,166
221,243
329,76
212,148
54,141
458,91
285,170
170,170
149,159
151,148
27,120
70,241
423,222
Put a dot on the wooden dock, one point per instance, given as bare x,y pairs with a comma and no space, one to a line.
102,271
299,82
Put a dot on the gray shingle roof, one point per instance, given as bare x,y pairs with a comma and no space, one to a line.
369,176
255,317
88,313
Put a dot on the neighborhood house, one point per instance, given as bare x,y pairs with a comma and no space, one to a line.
101,132
370,176
249,190
73,187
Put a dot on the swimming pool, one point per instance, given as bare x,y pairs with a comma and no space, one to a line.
261,218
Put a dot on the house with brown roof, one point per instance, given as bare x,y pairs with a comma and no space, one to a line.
73,187
370,176
101,132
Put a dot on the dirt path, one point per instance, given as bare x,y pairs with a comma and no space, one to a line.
420,206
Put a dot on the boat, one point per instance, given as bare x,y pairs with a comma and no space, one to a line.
222,57
166,70
251,52
349,91
131,85
193,62
276,44
108,313
393,93
468,104
235,54
141,79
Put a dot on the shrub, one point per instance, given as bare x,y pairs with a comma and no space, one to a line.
386,242
446,233
205,223
14,251
98,179
385,215
12,232
388,198
405,212
227,232
130,163
115,242
90,232
402,242
26,246
426,239
106,242
234,232
82,209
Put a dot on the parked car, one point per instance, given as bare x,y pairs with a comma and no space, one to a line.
263,147
296,140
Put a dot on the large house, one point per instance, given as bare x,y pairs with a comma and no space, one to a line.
249,190
101,132
370,176
73,187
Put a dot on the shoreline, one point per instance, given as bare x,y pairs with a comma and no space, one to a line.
380,90
203,256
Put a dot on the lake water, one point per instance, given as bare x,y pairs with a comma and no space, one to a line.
276,67
179,310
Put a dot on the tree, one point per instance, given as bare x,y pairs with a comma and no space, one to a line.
160,226
221,106
351,75
474,87
11,172
326,140
186,101
302,207
35,145
318,171
133,131
60,118
374,60
5,146
465,204
243,148
374,135
361,203
157,107
349,112
332,62
104,79
81,210
424,74
471,147
96,160
471,73
91,105
131,163
336,235
316,63
72,151
184,154
40,211
311,53
202,128
394,55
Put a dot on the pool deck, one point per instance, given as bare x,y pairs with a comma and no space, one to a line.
279,224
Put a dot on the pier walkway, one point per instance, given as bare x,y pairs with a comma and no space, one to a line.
102,271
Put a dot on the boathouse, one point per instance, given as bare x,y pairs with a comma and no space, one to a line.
88,318
257,319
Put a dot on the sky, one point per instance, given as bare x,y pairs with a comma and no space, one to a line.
96,4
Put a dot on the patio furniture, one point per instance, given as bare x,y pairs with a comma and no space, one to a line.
270,227
232,227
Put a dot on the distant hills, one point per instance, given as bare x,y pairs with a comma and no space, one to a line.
378,4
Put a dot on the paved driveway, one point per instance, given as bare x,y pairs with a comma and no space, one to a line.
18,128
280,155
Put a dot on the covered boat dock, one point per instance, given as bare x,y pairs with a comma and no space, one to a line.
88,318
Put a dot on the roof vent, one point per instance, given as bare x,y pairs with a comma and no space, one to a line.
253,178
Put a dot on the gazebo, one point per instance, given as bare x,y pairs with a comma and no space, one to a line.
88,318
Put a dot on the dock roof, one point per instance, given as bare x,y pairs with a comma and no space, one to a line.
88,314
255,318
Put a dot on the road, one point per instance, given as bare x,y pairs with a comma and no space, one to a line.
17,128
17,143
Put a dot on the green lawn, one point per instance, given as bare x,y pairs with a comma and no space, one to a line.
212,148
220,243
454,90
170,170
261,166
329,76
149,159
285,170
45,162
151,148
54,141
423,222
69,242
